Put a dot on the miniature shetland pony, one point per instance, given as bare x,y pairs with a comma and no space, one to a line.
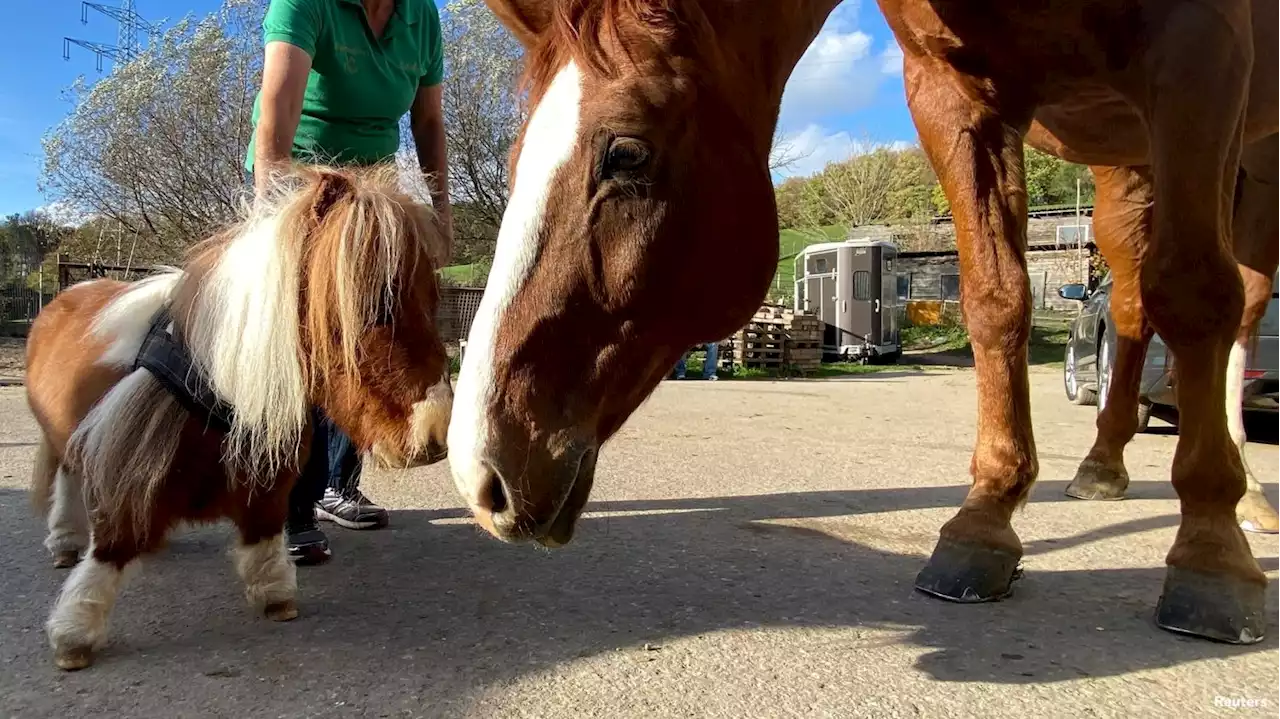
187,396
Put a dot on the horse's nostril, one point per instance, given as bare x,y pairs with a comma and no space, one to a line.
492,496
497,497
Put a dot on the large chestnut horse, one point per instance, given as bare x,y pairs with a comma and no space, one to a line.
186,396
644,162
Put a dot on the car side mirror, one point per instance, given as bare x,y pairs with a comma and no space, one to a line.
1076,292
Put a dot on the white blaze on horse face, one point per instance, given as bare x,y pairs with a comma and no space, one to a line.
549,141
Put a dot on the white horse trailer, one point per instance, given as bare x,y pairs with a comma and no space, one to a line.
852,286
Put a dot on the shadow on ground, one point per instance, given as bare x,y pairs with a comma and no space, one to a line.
435,612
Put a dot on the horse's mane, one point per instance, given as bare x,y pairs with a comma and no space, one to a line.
592,32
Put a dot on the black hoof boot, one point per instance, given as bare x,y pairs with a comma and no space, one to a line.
1212,606
968,573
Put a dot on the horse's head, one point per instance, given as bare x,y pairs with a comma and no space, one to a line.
368,309
641,221
327,297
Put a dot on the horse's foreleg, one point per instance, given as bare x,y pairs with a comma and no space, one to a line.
77,626
978,155
260,556
68,519
1256,231
1193,296
1122,227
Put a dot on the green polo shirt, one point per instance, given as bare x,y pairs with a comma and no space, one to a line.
359,86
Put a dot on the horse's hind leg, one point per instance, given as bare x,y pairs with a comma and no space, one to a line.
260,556
1122,225
1192,294
68,519
78,625
1256,231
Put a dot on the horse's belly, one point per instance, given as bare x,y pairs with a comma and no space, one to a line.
1099,130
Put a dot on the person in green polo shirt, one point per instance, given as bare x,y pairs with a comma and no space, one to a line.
337,78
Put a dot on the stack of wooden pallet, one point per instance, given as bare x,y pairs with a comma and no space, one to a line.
804,342
779,338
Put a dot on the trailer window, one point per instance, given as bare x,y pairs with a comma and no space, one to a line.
862,286
820,265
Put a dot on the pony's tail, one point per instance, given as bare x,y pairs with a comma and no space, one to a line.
123,451
42,477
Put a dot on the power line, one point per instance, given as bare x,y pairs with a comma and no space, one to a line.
130,25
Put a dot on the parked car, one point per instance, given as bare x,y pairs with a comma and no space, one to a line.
1091,352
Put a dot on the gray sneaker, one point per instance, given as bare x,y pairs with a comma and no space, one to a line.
353,510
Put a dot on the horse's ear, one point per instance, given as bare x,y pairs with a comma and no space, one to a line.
526,19
330,187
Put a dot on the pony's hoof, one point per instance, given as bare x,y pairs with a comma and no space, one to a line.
1256,514
66,558
1096,481
968,573
282,611
1212,606
73,658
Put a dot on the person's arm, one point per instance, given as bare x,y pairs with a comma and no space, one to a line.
426,122
290,31
284,82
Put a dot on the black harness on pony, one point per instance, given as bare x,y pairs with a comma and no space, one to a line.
170,363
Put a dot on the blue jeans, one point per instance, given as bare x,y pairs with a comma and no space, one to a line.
708,367
334,463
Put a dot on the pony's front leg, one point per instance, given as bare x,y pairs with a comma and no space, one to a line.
68,520
77,626
977,151
261,558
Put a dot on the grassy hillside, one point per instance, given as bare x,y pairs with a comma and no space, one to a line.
466,275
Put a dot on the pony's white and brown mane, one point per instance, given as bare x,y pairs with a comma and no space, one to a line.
340,238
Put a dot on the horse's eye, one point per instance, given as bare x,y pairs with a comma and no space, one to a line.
626,155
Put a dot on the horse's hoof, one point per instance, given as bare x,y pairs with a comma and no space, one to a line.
282,611
1213,606
73,658
1256,514
1098,482
968,573
66,558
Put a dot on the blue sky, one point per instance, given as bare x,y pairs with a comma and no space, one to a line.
847,88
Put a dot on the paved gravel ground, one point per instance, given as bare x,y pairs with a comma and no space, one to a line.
750,553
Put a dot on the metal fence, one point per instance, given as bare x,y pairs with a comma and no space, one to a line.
458,306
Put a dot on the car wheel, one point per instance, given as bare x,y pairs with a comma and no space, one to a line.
1076,394
1104,370
1144,415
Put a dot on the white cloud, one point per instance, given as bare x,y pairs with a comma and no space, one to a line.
814,147
811,149
64,213
891,59
840,73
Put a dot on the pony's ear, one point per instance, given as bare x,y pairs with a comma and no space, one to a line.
330,187
526,19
